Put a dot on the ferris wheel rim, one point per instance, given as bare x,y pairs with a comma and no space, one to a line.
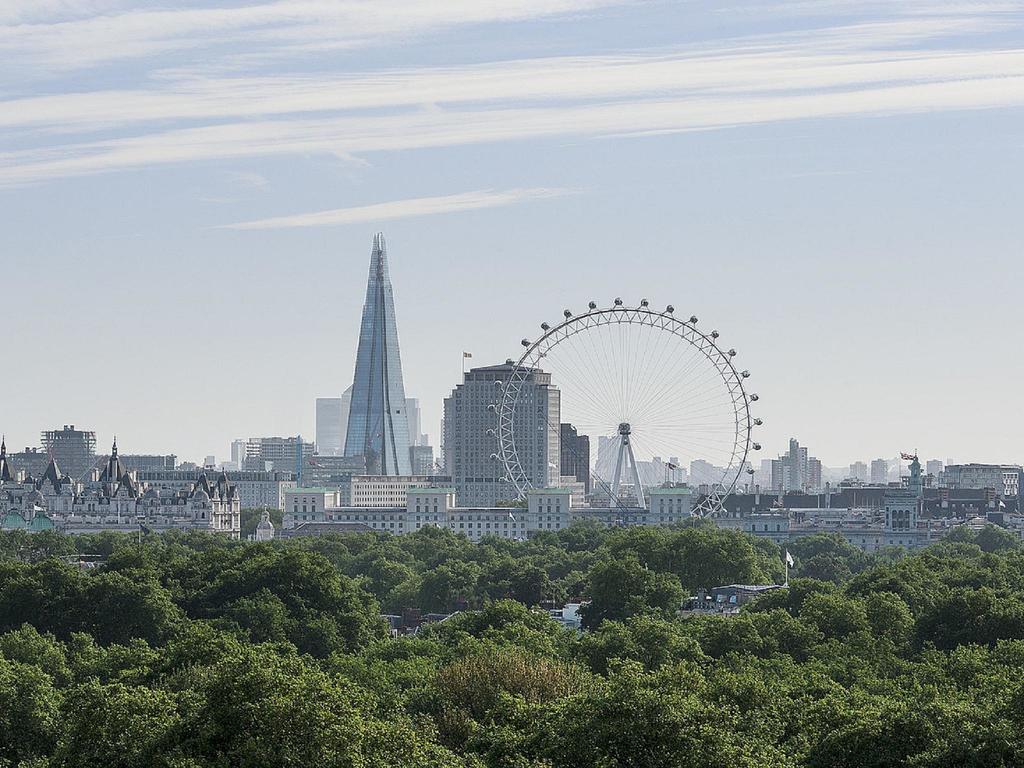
663,320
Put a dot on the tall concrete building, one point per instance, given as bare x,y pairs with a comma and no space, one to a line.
575,450
859,471
330,433
280,454
934,468
470,441
814,478
378,426
73,449
879,472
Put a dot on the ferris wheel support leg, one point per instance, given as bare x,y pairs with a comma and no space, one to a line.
636,477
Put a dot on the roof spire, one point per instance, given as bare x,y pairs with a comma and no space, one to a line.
113,449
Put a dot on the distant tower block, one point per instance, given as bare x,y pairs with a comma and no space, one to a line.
378,426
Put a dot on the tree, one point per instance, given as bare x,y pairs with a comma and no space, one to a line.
620,588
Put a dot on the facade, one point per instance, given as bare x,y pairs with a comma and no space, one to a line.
375,491
879,472
114,502
859,471
30,461
378,425
934,468
470,434
305,503
255,490
575,455
135,462
330,470
73,449
1004,479
547,510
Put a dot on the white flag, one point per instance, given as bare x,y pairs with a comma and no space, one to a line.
789,559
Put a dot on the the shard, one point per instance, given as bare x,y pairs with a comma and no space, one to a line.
378,426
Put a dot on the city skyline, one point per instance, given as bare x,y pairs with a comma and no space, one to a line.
193,190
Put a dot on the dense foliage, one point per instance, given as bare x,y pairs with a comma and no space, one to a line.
191,650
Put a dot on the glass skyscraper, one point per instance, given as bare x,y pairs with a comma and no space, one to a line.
378,425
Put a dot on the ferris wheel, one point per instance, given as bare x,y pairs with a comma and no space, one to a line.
660,401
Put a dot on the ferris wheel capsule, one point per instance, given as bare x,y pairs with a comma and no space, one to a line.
693,319
592,305
617,302
714,334
754,398
732,353
545,327
567,313
644,303
670,309
525,342
745,374
756,446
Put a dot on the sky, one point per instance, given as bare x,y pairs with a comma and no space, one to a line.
189,193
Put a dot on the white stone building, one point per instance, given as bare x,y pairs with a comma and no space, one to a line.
114,502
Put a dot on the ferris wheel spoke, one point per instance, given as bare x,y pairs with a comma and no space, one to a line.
666,378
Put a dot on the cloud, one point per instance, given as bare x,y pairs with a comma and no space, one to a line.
67,36
403,209
865,68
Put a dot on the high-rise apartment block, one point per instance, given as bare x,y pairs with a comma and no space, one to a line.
879,472
471,444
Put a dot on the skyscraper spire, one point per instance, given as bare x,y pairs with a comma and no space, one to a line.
378,426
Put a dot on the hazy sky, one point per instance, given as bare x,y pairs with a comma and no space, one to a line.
189,193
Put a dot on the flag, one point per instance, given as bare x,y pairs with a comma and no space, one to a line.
907,456
467,355
789,559
1002,504
511,516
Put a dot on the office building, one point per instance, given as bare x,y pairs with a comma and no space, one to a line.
73,449
422,459
934,468
138,461
279,454
1004,479
471,443
879,472
859,471
575,456
330,470
378,426
330,426
412,409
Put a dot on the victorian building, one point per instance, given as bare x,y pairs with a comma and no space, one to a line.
113,501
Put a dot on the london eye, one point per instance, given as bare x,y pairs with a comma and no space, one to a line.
661,401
